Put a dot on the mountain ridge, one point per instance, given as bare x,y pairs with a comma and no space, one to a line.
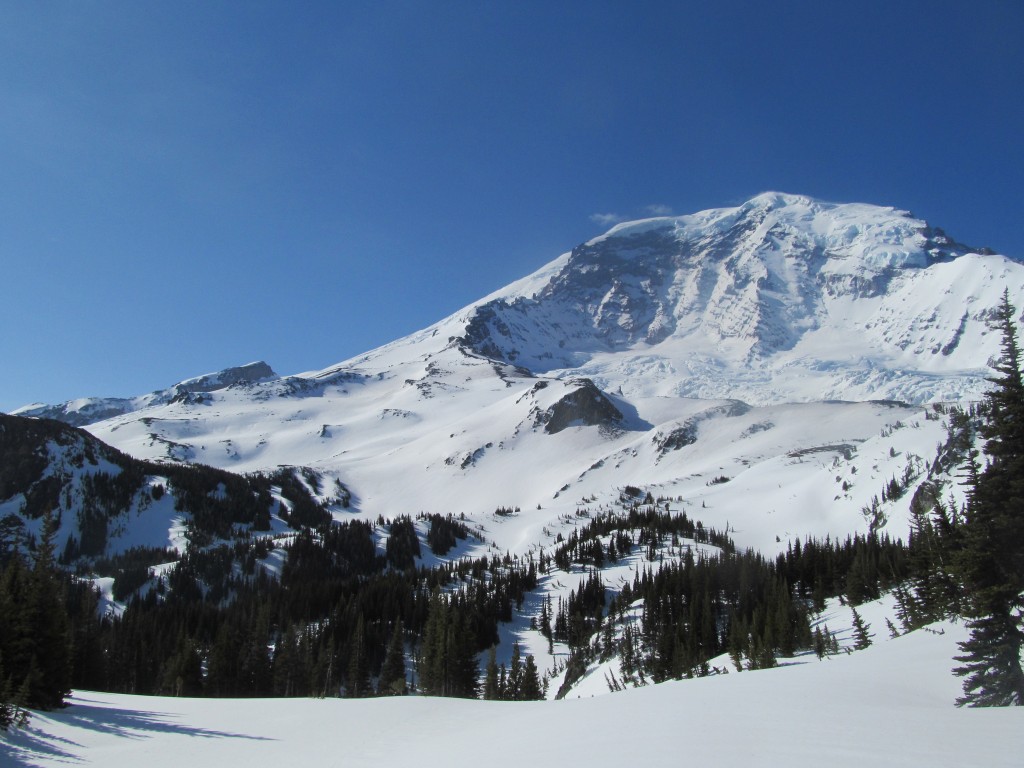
438,426
733,386
726,302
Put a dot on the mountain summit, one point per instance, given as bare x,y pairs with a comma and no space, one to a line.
781,298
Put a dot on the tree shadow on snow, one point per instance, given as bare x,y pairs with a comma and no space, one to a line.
29,746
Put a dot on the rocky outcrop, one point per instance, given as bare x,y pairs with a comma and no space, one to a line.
585,406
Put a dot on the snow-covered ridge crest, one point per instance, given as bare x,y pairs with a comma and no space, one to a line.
856,299
88,410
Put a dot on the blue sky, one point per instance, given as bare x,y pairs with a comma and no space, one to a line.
192,185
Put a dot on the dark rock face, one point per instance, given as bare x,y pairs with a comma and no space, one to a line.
680,437
585,406
229,377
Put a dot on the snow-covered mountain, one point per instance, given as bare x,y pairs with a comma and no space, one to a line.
586,376
87,410
782,298
776,371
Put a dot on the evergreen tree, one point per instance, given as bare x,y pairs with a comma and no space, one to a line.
514,684
289,673
448,664
358,680
11,711
991,560
183,674
51,631
861,634
820,643
392,675
529,689
491,690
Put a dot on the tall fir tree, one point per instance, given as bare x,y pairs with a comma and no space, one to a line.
50,670
392,675
530,688
358,679
491,689
513,686
991,560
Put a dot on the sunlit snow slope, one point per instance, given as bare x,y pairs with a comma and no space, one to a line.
585,376
887,705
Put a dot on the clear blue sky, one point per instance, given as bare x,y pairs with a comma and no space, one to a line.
186,186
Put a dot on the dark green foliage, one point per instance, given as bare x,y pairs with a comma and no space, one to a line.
529,686
991,662
13,537
403,546
35,630
21,441
991,556
448,665
933,591
492,691
130,569
38,458
357,681
445,532
12,704
217,500
306,511
392,675
861,632
183,674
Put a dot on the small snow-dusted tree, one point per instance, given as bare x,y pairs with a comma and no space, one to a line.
861,634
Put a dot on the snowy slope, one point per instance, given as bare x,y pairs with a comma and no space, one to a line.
887,705
586,375
87,410
459,439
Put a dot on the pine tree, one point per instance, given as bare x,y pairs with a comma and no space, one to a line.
358,680
51,631
392,675
820,643
448,666
491,690
514,684
861,634
991,561
11,711
288,665
530,689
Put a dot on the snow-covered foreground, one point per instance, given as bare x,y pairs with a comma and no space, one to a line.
890,705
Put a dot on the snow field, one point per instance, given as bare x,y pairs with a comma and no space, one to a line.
888,705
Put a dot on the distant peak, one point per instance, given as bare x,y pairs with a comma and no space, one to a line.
772,200
240,374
